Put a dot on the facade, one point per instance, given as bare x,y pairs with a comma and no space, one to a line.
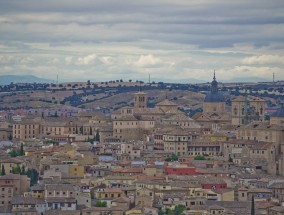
176,141
246,109
180,169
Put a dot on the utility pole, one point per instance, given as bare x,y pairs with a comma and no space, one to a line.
273,77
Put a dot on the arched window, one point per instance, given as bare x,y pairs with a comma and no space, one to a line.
236,110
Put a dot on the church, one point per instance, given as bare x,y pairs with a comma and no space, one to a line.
214,113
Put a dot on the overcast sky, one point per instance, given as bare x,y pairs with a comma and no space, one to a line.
173,40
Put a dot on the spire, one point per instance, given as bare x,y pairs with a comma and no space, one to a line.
214,84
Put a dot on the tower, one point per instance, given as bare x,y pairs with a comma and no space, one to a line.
214,101
140,100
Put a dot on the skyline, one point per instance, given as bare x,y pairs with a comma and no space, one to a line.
99,40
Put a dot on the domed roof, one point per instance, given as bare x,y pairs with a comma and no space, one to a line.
278,113
214,95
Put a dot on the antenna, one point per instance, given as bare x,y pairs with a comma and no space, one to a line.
273,77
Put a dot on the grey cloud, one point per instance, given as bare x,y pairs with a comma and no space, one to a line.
171,31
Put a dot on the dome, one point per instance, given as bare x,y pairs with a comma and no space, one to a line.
214,95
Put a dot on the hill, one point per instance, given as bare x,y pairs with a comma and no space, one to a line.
7,79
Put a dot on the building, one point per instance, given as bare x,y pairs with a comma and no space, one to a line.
180,169
214,101
246,109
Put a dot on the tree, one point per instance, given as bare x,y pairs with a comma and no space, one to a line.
22,152
178,210
173,157
3,172
199,157
33,175
101,203
97,137
23,170
252,206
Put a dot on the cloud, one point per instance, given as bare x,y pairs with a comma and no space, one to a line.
264,59
68,59
160,37
106,60
147,61
87,59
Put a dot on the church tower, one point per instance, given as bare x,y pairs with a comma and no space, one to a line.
140,100
214,101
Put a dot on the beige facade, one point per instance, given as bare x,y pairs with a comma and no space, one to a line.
131,128
176,141
246,109
214,107
140,100
59,129
5,133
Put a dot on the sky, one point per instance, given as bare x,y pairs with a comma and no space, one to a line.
172,40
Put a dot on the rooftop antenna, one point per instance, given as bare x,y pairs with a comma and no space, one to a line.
273,77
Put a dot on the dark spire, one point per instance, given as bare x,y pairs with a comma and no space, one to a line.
214,84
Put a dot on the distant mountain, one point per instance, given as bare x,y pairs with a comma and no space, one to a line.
7,79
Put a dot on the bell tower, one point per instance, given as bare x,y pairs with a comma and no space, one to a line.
140,100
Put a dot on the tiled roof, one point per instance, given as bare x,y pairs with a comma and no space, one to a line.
20,200
61,187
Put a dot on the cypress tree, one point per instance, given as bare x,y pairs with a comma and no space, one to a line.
22,150
97,138
252,206
3,172
23,170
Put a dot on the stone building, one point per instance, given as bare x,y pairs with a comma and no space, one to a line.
138,122
214,101
214,113
246,109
